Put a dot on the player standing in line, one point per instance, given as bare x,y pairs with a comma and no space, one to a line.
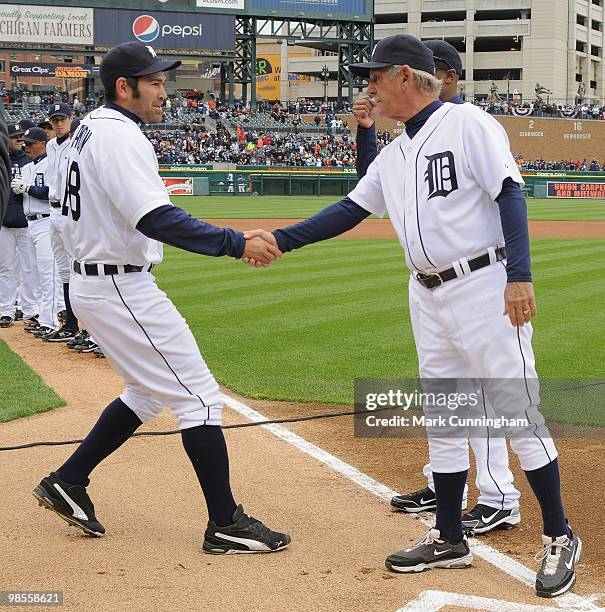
119,215
16,247
5,165
60,118
453,193
34,187
498,504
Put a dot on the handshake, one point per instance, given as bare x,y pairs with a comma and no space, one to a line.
18,185
261,248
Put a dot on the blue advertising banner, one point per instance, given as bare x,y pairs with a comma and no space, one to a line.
335,8
165,30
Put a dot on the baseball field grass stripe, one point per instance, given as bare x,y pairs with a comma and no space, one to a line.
303,329
22,391
283,207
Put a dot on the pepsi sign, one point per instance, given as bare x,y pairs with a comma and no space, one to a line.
165,30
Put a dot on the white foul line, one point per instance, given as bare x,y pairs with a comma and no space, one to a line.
501,561
431,601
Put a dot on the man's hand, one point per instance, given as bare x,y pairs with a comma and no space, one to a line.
364,110
519,303
261,248
18,185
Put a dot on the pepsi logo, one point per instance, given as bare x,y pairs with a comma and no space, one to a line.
146,28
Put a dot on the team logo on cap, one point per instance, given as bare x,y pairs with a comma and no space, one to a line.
57,107
146,28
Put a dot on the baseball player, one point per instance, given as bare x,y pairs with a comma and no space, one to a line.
60,118
453,194
33,185
119,213
498,503
16,247
5,166
45,124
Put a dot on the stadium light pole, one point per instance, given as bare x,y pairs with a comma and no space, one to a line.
325,75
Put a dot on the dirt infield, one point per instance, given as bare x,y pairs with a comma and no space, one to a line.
382,228
148,499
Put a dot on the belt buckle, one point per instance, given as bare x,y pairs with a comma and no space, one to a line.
425,277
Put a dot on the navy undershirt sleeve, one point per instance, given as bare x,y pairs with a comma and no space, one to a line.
36,191
367,149
513,215
327,223
172,225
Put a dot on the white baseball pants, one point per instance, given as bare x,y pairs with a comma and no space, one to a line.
50,289
460,333
57,241
16,245
149,344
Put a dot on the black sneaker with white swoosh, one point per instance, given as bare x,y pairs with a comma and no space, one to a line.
245,535
424,500
482,519
429,552
559,558
70,502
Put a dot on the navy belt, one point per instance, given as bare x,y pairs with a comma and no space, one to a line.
55,204
107,269
436,279
36,216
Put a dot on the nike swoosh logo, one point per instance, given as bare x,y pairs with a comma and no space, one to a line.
442,552
426,501
251,544
488,519
570,564
77,511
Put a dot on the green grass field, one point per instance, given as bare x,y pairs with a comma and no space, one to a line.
283,207
305,328
22,391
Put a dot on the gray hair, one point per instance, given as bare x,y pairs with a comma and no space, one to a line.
426,82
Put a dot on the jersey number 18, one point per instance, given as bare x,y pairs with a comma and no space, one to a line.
71,199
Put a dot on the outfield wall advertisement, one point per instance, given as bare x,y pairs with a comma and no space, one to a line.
165,30
46,24
575,190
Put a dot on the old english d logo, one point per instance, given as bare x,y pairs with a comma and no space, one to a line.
441,174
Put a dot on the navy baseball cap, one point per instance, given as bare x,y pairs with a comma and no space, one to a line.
445,55
14,130
132,59
26,124
398,49
35,134
45,123
59,109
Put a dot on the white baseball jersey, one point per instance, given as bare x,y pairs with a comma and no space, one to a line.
55,152
35,174
108,197
438,190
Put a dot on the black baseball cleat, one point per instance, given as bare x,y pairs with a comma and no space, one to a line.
429,552
78,339
42,330
245,535
31,324
418,501
18,315
70,502
559,558
6,321
87,346
482,519
60,335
